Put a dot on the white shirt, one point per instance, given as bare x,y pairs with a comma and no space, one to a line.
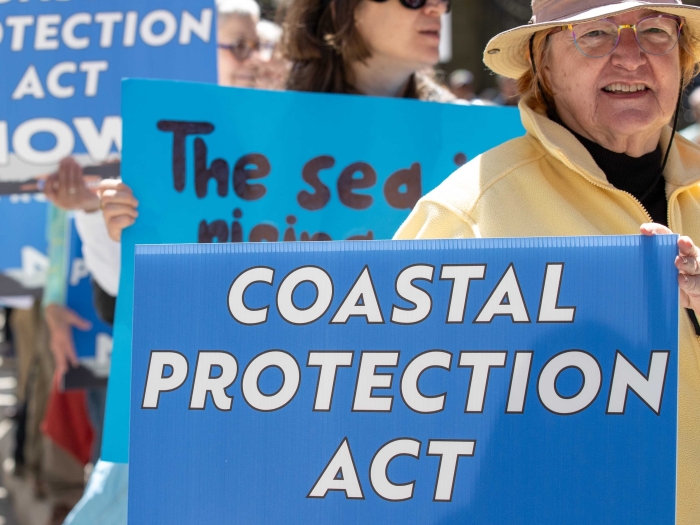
101,254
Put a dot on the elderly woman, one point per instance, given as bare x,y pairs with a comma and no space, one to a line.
599,85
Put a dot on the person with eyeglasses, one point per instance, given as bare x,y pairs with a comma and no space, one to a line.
238,45
274,68
600,81
384,48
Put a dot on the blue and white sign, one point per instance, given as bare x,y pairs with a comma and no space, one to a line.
213,164
485,381
94,346
60,87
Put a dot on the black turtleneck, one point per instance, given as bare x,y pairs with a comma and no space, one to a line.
635,175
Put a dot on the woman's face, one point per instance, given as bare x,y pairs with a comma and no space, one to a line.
622,121
401,36
236,71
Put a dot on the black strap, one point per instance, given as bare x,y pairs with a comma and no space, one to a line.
670,143
694,320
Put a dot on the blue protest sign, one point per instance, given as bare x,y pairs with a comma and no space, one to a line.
94,346
213,164
443,382
23,261
60,88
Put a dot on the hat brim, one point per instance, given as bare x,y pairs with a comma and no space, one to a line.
506,55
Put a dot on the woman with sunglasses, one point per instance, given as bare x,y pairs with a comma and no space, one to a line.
371,47
381,48
599,85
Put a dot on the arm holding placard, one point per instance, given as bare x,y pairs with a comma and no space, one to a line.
59,319
66,189
70,190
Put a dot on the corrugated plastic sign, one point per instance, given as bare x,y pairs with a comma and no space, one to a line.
485,381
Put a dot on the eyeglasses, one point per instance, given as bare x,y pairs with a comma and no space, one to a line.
418,4
243,48
655,35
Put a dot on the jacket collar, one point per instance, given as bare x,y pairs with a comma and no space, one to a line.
682,168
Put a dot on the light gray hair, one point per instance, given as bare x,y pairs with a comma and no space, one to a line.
269,31
239,8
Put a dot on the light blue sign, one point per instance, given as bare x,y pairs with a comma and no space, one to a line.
60,90
488,381
213,164
94,346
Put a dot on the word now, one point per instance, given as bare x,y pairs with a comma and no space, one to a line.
506,299
216,371
155,29
98,141
341,473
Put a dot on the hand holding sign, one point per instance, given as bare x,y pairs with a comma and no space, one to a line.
688,264
60,320
119,205
69,190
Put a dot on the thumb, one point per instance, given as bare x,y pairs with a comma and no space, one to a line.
74,319
652,228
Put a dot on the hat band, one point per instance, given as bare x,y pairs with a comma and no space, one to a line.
560,9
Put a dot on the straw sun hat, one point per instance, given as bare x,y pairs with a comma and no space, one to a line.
506,52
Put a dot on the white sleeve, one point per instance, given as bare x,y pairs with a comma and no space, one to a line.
101,254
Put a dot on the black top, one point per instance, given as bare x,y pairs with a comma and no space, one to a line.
105,304
636,175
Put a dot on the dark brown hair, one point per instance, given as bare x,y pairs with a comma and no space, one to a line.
321,40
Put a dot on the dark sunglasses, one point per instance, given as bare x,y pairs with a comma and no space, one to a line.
418,4
409,4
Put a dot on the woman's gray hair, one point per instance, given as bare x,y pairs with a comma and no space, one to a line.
238,8
269,31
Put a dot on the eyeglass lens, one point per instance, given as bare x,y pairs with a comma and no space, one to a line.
242,49
656,35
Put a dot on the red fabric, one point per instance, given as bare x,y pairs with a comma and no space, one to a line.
67,423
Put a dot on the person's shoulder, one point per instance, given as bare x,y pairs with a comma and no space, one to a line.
497,166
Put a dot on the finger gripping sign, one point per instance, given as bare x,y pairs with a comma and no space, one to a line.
428,382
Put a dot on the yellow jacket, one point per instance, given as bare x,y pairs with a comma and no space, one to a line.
547,184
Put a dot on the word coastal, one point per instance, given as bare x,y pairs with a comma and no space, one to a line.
362,300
